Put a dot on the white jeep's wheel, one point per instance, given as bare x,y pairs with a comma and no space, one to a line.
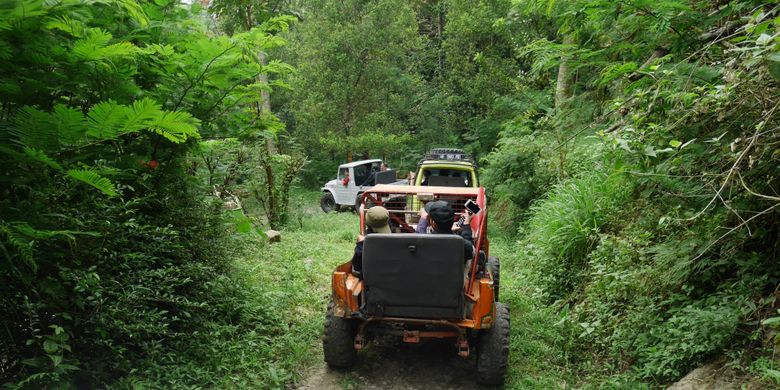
328,202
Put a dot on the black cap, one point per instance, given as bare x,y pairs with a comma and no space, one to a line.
441,212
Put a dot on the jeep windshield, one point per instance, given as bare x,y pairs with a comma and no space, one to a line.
446,177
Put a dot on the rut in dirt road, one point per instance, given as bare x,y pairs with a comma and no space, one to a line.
392,364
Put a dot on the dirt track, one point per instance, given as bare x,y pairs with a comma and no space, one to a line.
392,364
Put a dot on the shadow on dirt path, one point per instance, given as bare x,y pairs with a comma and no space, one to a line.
391,364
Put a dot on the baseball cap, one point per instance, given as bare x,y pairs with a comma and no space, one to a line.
441,212
376,219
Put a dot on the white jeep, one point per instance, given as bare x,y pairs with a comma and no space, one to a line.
352,179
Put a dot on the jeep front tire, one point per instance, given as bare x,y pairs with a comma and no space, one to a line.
328,202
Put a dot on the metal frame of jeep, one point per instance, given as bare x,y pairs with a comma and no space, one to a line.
418,286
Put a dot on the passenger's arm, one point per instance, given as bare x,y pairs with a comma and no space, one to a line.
465,233
357,258
465,230
422,226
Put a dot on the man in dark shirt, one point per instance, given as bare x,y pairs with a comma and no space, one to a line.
440,217
376,222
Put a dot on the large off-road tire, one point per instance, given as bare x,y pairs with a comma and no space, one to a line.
493,349
338,341
328,202
358,201
494,265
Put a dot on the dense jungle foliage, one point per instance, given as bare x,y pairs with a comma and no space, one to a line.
629,149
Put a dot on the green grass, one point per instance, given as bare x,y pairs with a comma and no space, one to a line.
537,358
294,277
275,335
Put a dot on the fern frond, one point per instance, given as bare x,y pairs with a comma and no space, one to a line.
94,46
141,112
132,7
70,123
28,231
176,126
106,119
19,10
121,49
35,129
87,47
92,178
64,23
41,157
278,23
23,245
23,237
135,11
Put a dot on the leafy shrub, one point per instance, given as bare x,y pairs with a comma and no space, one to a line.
691,333
564,228
113,251
516,170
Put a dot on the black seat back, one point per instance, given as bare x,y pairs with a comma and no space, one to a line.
385,177
446,181
413,275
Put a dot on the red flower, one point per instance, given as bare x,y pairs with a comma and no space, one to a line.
152,164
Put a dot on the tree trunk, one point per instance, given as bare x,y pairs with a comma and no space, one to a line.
563,84
264,108
265,96
440,37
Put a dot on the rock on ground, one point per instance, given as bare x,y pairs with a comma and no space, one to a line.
273,235
714,376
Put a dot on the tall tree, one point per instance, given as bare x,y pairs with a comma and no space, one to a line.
244,15
356,74
480,69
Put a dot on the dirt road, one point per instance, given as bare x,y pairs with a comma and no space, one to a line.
391,364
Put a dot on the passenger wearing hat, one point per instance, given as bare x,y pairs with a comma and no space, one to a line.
440,217
376,222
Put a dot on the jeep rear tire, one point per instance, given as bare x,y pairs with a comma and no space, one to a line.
494,265
338,342
328,202
493,349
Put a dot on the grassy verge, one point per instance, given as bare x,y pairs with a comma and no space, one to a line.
276,309
293,277
537,357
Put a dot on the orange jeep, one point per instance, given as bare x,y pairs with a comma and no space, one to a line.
419,286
